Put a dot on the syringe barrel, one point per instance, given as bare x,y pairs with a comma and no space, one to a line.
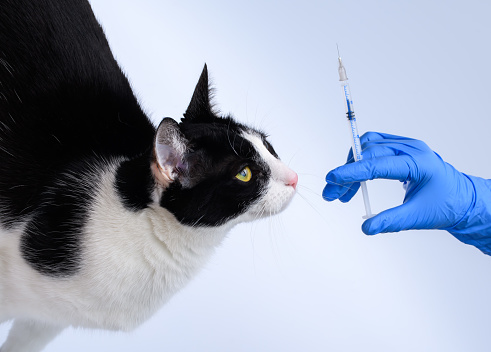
350,115
355,140
348,102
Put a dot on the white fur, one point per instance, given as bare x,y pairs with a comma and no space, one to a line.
132,264
279,190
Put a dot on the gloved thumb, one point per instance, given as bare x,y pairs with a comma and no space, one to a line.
402,217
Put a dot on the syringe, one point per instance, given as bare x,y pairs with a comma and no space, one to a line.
355,138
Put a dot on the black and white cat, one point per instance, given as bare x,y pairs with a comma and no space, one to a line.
103,217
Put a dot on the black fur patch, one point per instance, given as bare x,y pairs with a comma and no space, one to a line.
64,105
51,241
135,183
218,153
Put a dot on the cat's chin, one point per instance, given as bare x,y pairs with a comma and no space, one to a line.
274,202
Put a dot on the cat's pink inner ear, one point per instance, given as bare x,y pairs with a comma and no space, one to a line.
163,176
164,169
170,145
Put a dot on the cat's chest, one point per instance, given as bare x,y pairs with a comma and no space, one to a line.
135,261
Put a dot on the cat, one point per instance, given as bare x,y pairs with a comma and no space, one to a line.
103,216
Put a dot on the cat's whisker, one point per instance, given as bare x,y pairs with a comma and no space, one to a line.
311,175
241,144
276,231
271,234
316,193
228,138
252,236
280,235
348,185
196,223
262,118
263,209
312,206
293,156
340,184
275,234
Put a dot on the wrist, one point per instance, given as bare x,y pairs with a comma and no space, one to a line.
474,227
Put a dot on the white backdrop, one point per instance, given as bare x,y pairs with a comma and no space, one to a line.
309,279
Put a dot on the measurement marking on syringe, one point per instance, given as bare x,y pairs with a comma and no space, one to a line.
355,138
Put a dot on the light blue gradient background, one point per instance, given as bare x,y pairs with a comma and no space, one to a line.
309,279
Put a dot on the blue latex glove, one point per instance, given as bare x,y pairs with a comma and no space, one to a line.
437,195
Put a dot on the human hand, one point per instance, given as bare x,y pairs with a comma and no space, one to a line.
437,195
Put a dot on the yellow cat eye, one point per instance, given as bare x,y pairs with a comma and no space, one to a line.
245,175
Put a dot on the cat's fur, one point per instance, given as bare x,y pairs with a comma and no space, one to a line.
103,217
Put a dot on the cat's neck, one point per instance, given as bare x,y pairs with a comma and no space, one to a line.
145,253
151,223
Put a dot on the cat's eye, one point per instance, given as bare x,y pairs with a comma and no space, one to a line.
245,175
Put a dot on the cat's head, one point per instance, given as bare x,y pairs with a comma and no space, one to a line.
214,169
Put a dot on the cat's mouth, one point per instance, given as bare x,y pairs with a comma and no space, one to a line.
276,198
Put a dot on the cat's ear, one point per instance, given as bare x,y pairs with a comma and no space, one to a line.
200,109
170,146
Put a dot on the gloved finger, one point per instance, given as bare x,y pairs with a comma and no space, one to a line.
370,136
403,217
375,150
333,191
391,167
398,147
350,157
346,197
370,139
378,136
397,144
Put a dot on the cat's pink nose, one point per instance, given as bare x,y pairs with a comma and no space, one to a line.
292,179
